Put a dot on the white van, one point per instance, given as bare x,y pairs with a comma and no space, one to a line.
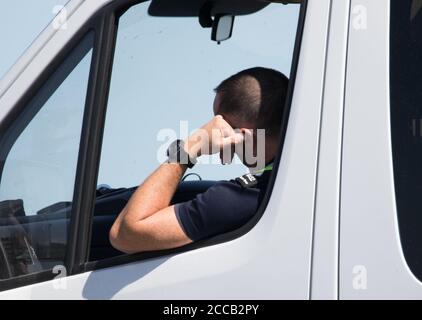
81,119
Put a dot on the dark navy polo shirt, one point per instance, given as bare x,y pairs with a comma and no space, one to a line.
224,207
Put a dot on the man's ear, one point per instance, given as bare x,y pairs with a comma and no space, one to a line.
248,137
246,132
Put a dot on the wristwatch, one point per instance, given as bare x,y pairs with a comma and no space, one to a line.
177,154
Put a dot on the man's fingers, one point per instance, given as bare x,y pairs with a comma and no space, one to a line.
226,132
228,147
233,139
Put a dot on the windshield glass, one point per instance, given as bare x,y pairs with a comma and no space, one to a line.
20,23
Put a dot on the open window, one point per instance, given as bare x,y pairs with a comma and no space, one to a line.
165,68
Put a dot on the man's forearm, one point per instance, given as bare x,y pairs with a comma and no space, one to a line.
155,193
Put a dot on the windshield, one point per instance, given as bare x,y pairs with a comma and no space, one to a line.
21,21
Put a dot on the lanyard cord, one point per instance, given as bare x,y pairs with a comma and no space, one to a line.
267,168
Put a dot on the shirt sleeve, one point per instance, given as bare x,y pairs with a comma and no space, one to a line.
223,207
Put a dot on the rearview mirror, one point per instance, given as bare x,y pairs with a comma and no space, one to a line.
222,27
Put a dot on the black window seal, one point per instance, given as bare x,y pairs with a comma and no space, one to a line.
28,279
124,259
80,230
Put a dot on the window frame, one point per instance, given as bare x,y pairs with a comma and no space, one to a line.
119,10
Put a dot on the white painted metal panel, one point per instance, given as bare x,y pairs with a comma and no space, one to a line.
325,241
372,265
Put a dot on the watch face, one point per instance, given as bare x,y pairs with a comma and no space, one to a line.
177,154
173,148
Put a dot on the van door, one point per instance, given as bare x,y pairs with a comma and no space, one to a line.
380,238
135,64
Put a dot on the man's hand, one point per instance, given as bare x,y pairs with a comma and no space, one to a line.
215,136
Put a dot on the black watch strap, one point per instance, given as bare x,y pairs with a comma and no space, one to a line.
177,154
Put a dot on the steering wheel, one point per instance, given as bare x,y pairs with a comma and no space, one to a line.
17,256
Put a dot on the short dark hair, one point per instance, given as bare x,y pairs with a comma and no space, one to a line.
255,96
